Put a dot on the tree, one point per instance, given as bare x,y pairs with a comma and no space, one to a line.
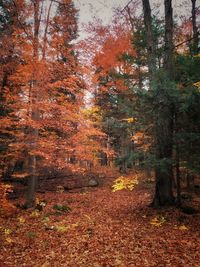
46,90
164,106
10,59
149,38
113,96
195,46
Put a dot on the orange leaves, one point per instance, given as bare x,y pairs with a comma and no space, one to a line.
109,50
138,137
197,84
113,48
45,89
6,207
120,85
142,140
5,189
102,229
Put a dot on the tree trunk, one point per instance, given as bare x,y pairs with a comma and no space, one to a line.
163,171
178,183
32,181
104,159
195,47
150,39
190,181
164,125
164,117
163,191
169,46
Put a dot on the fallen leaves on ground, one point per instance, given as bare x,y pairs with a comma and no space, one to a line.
102,229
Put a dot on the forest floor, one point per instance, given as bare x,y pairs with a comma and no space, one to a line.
96,227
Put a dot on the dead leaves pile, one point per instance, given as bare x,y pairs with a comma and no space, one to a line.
100,229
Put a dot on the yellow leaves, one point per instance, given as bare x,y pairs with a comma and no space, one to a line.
182,228
21,220
45,220
124,183
197,84
93,113
60,189
61,228
130,120
7,231
64,228
92,110
9,240
158,221
35,214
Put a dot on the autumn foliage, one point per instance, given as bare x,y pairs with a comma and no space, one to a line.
43,120
98,134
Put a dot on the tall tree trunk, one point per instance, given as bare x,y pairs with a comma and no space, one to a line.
195,47
164,119
178,178
149,39
169,46
164,125
32,182
177,181
163,171
169,68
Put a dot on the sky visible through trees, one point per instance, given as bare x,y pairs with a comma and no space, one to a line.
100,133
104,9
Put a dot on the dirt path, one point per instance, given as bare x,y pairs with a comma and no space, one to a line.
102,229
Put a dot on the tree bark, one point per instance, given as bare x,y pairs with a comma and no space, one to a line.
149,39
32,181
169,46
178,179
195,48
164,125
163,171
163,119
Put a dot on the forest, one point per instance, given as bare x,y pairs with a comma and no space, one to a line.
100,134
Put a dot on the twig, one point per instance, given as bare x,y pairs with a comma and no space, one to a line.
188,40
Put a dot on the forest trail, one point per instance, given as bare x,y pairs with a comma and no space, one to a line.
76,99
100,228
